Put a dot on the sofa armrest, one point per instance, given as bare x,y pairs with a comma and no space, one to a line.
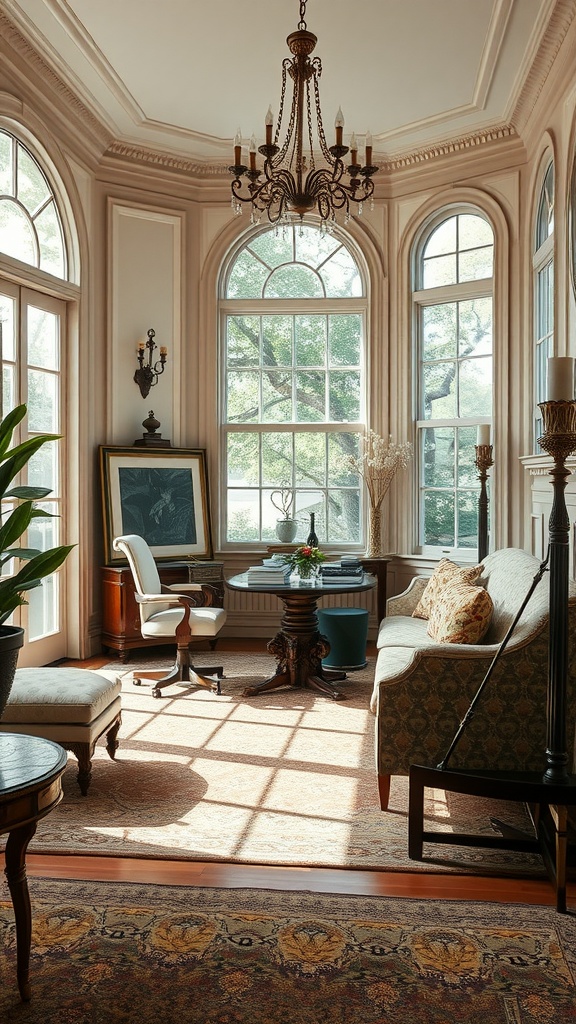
405,603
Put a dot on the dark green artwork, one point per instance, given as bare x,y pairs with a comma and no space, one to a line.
158,505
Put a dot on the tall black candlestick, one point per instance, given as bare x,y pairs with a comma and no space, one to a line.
559,440
483,462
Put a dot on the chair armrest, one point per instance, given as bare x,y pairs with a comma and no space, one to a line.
199,595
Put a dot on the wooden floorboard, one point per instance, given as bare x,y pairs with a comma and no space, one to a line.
412,885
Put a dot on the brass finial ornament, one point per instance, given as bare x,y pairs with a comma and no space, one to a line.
290,183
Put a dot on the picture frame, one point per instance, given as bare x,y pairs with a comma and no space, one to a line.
161,495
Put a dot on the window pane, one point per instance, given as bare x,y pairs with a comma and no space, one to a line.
439,387
310,459
243,341
340,448
475,392
16,236
277,340
242,459
467,471
294,282
273,248
443,240
344,337
7,327
42,608
473,231
243,519
439,456
312,247
42,402
340,275
475,327
311,397
47,225
345,396
43,468
310,333
277,469
467,519
43,339
247,278
439,528
344,516
243,397
277,403
475,265
439,331
33,189
439,271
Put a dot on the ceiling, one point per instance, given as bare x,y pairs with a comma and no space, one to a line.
181,77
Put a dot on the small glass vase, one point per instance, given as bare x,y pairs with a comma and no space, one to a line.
307,575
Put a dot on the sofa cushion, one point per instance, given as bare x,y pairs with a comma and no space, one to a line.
462,615
446,574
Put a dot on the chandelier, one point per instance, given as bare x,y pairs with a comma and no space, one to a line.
290,182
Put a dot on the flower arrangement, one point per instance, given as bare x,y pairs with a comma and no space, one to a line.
304,560
377,465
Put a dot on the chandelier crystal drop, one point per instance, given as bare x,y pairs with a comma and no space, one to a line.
290,183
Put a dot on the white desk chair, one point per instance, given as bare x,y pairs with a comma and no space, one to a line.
182,610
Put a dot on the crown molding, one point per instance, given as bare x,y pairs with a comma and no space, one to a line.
441,149
63,102
556,31
134,154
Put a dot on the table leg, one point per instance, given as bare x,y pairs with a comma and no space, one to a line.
299,648
15,871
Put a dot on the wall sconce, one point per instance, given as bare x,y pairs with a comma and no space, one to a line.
147,373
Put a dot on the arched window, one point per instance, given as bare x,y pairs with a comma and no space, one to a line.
30,224
32,340
293,328
543,269
453,328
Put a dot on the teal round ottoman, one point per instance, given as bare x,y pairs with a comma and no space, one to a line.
346,630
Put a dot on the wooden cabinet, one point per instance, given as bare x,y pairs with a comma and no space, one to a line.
120,613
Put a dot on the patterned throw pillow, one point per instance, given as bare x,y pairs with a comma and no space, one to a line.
446,574
461,616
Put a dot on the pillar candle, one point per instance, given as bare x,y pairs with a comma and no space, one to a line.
483,436
560,379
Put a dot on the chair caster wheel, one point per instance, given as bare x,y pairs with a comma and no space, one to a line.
136,682
156,693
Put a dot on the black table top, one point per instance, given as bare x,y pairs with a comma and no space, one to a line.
27,761
239,582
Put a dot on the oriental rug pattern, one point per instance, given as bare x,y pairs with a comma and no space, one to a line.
287,777
132,953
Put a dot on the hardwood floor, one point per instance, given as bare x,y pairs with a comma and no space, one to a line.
414,885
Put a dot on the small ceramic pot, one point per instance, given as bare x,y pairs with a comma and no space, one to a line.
286,530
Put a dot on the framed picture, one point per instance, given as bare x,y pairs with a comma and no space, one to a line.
160,495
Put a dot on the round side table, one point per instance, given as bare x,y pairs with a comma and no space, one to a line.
30,787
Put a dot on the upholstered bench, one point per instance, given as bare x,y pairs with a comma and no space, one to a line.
71,706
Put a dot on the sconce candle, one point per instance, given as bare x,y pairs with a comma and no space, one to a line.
483,435
146,374
560,379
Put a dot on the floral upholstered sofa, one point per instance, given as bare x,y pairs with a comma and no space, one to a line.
423,687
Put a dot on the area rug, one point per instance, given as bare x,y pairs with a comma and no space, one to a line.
286,777
143,953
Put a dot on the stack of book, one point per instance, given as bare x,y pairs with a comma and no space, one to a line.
268,574
347,570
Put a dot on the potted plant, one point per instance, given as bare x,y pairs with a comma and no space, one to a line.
287,527
31,565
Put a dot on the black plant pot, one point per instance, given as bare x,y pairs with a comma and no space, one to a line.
11,640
